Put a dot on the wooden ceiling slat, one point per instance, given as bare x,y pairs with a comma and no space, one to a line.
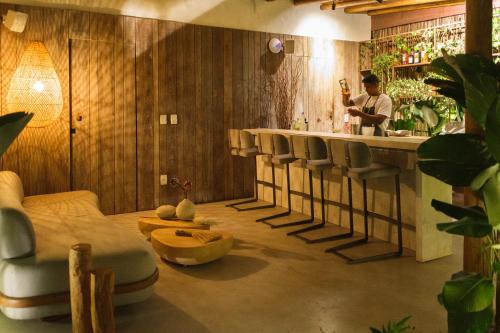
415,7
361,9
328,4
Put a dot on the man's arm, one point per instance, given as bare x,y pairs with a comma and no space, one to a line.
347,101
368,118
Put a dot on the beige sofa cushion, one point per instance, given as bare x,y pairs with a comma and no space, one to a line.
17,238
61,220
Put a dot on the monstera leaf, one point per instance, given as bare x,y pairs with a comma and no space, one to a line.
455,159
10,126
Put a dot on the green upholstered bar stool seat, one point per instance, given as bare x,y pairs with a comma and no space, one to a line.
355,158
243,145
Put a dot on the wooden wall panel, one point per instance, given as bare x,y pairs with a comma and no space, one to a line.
126,72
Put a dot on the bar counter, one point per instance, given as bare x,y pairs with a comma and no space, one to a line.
417,190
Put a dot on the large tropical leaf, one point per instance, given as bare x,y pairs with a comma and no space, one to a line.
492,135
449,89
470,322
480,83
467,292
491,195
10,126
467,226
472,221
455,159
458,212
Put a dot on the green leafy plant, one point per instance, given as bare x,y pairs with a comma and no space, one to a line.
416,102
393,327
469,161
382,64
10,126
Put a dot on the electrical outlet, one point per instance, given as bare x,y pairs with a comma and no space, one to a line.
173,119
163,119
163,180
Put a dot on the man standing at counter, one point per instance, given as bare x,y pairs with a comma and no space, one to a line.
373,107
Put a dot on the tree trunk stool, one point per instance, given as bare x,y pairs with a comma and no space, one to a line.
189,251
148,224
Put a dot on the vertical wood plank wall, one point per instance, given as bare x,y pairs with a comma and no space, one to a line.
126,72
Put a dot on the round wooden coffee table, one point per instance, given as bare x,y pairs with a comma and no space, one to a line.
189,251
148,224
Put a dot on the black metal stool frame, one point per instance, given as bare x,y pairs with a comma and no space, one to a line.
364,240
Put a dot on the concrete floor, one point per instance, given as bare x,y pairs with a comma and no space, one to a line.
270,282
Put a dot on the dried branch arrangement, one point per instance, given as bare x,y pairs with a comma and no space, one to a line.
283,88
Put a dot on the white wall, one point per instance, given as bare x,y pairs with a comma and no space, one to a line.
279,16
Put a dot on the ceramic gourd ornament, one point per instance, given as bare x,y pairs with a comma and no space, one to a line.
185,209
165,212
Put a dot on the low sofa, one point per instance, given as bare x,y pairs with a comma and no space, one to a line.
36,234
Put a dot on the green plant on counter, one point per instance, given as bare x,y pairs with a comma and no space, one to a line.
467,160
394,327
416,102
10,126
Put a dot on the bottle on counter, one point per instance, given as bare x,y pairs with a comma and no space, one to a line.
347,125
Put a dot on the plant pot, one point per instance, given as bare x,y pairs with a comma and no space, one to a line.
185,210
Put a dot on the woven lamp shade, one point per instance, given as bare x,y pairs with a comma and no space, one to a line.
35,87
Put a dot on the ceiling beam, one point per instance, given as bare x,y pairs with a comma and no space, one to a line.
443,3
346,3
304,2
361,9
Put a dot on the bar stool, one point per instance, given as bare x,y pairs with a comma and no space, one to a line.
314,153
242,143
356,159
278,152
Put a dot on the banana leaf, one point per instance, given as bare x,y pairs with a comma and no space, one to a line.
455,159
470,322
10,126
467,292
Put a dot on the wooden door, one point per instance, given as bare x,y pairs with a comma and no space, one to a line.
103,119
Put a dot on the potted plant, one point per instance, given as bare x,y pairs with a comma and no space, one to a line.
468,160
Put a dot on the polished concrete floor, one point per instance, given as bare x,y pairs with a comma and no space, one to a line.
270,282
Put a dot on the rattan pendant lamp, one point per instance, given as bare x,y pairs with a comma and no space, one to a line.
35,87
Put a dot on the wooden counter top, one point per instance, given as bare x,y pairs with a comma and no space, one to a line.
410,143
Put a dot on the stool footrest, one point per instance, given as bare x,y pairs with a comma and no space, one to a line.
242,202
254,208
274,216
289,224
310,228
329,238
335,250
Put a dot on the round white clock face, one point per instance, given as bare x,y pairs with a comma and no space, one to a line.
275,45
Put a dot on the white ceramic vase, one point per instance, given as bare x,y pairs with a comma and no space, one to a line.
185,210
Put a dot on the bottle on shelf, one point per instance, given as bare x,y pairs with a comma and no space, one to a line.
416,58
411,58
404,58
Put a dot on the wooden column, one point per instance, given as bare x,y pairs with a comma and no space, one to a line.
102,283
479,16
80,261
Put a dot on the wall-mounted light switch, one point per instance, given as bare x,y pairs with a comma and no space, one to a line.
163,180
173,119
163,119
